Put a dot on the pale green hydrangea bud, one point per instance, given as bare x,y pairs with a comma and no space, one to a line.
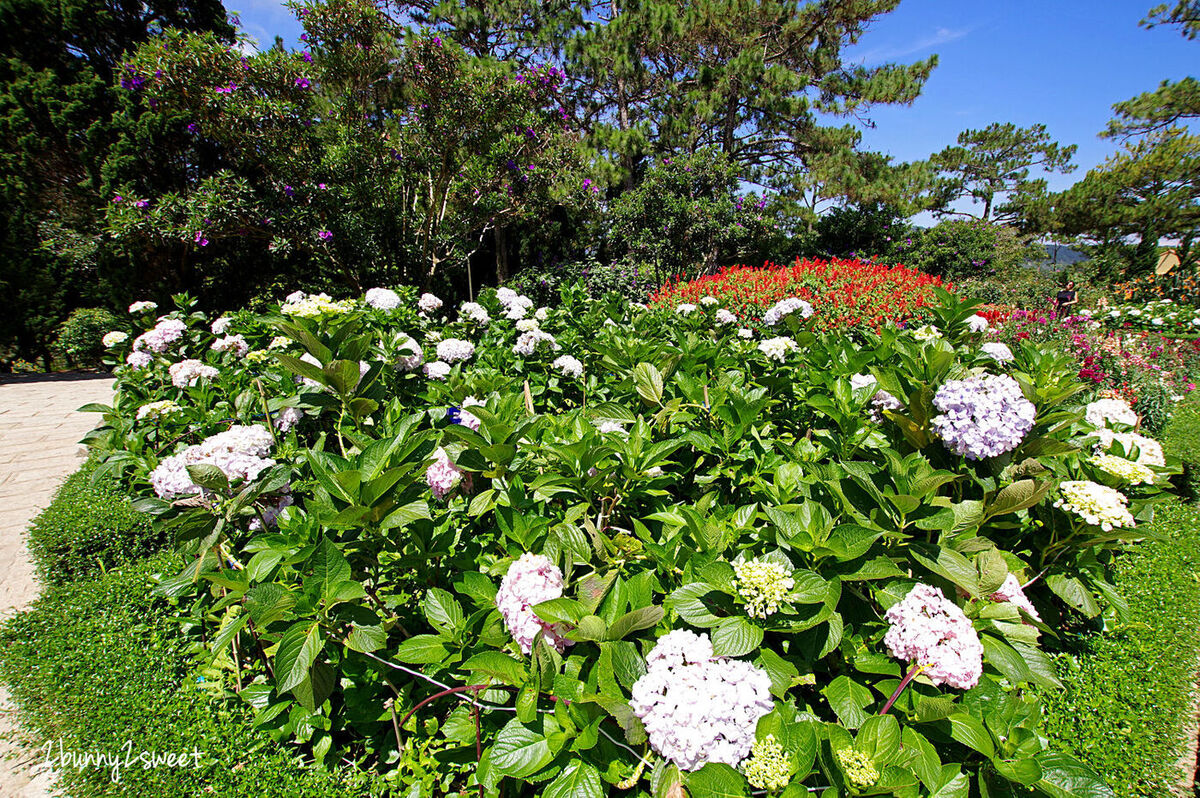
762,585
858,767
769,767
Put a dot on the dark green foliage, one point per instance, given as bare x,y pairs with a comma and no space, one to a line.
79,337
686,217
629,280
861,231
958,248
97,663
89,527
1128,698
1182,439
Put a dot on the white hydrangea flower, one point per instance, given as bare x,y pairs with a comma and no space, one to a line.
453,350
997,351
1096,504
187,373
1102,411
428,303
926,333
568,366
777,348
527,325
762,585
708,301
143,307
313,306
745,332
437,370
474,313
158,409
115,337
724,317
977,323
786,307
382,298
685,309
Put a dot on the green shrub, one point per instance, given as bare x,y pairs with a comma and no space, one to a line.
89,527
960,248
633,282
1129,691
79,337
97,663
1182,439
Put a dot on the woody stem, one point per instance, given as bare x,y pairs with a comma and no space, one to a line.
908,677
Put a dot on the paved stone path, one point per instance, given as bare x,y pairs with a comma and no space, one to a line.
40,430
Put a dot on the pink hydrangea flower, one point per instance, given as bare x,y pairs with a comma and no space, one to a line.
1011,592
932,630
442,475
160,337
187,373
529,581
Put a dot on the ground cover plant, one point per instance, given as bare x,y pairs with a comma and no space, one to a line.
1129,691
848,293
567,550
1156,315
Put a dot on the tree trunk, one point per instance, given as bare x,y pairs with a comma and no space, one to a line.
501,240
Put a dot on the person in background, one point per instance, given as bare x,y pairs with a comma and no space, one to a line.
1065,300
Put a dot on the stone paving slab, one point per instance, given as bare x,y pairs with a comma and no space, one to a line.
40,430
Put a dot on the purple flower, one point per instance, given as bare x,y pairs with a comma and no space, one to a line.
324,235
200,239
289,191
192,128
307,56
118,198
437,41
983,416
142,204
303,37
302,82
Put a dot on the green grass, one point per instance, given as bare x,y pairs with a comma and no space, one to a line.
97,663
90,527
1128,697
1181,438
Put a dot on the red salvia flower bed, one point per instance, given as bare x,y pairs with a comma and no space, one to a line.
844,293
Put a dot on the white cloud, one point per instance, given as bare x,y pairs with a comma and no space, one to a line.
880,55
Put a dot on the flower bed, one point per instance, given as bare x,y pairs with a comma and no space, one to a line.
1159,315
845,293
599,547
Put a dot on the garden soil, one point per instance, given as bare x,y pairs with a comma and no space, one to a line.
40,429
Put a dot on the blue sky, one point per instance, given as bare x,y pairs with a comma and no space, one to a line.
1062,63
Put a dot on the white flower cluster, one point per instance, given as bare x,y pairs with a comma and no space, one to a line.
926,333
762,585
976,323
516,306
698,708
428,303
138,360
436,370
685,309
279,342
786,307
1149,451
1102,411
568,366
143,307
882,400
238,452
187,373
709,301
933,631
221,326
777,348
115,337
382,298
231,343
411,354
997,351
1012,592
475,313
1096,504
160,337
1127,470
724,317
158,409
606,426
528,343
287,418
527,325
453,350
312,306
745,332
530,580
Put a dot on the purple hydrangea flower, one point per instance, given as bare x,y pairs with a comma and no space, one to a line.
983,416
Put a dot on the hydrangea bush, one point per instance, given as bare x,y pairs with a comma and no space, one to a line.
647,553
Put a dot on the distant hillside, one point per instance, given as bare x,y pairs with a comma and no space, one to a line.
1064,255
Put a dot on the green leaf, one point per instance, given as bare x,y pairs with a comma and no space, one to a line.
497,665
442,610
298,650
1064,776
421,650
209,477
1072,591
649,382
953,566
1020,495
879,738
642,618
717,780
330,570
268,603
970,731
579,779
688,602
366,638
735,636
848,698
519,751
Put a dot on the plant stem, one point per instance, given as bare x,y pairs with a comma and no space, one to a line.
908,677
